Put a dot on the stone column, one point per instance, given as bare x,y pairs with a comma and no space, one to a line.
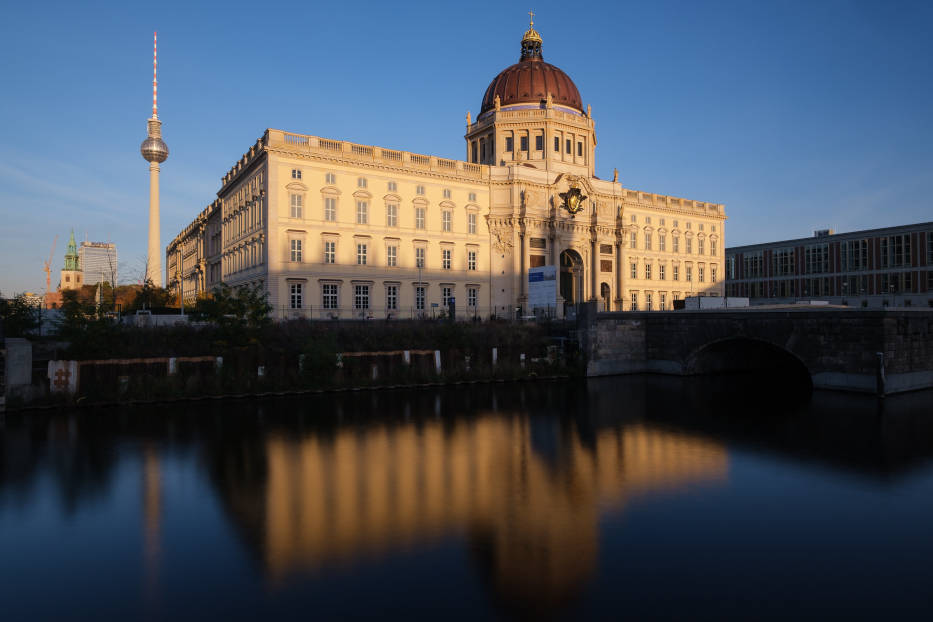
523,259
594,263
618,299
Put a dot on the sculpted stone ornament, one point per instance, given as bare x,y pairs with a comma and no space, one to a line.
502,240
497,102
573,198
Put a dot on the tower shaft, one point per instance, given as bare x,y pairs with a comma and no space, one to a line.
154,248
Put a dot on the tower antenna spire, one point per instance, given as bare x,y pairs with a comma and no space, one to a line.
155,106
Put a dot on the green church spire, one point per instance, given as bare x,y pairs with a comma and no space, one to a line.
71,254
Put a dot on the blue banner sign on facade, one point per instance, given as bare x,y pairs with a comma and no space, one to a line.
542,287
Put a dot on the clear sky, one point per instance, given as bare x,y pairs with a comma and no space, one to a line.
796,115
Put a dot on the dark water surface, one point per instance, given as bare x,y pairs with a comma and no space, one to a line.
635,497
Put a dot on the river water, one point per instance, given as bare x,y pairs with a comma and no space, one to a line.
638,497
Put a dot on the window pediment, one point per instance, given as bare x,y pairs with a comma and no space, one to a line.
447,205
297,185
363,194
420,202
330,190
392,198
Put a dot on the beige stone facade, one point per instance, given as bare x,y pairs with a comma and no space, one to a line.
332,229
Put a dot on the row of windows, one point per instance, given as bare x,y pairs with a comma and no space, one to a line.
392,214
480,150
675,243
330,296
634,219
675,272
362,182
855,285
296,255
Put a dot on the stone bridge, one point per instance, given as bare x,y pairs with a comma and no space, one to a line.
875,351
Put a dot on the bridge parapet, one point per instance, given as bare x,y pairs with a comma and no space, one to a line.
838,347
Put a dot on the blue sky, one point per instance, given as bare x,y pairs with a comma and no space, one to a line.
796,115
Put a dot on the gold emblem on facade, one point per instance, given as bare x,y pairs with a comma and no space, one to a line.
573,199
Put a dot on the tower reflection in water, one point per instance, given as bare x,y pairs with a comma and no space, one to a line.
529,509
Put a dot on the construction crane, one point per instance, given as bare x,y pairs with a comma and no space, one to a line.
48,267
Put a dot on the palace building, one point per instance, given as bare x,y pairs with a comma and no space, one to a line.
333,229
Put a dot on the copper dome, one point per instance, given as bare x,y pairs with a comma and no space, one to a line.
531,79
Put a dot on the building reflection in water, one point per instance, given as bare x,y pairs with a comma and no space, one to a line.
531,516
152,515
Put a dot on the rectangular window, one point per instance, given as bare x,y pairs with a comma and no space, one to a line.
700,249
330,251
362,212
391,215
605,265
419,218
633,240
930,248
294,294
689,243
471,260
330,209
361,296
689,273
360,182
647,241
391,297
393,187
446,193
446,295
701,272
296,205
361,254
330,178
446,218
712,274
661,271
648,301
419,189
648,271
296,174
419,258
712,247
391,256
539,142
329,295
524,143
676,273
676,241
419,297
634,301
662,242
471,222
557,144
472,197
580,149
295,250
445,258
663,301
508,144
567,146
634,270
472,296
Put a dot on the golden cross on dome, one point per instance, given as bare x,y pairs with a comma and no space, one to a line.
532,14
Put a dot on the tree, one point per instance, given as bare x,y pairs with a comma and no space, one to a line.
150,296
243,307
18,316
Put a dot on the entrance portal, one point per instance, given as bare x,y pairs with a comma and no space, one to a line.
571,277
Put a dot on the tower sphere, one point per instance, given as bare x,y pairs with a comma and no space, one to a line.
154,149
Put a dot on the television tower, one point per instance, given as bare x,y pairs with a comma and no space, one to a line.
154,151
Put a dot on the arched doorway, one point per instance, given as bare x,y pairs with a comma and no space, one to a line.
604,293
571,277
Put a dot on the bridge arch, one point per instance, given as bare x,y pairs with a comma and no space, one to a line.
745,355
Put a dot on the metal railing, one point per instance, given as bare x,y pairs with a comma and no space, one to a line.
438,312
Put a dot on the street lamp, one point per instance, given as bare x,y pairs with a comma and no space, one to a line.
845,288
